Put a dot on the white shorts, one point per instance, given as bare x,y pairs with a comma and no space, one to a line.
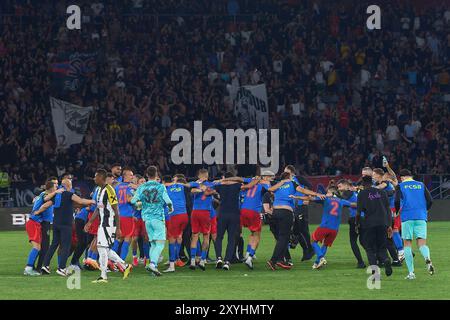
106,236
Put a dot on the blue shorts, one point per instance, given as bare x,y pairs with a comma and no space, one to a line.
414,229
156,229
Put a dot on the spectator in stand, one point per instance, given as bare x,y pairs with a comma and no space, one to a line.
160,66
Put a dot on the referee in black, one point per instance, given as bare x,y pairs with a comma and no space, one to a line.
377,223
228,220
62,226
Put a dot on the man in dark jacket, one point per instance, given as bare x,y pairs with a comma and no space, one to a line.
376,223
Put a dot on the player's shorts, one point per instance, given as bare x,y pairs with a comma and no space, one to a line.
414,229
95,224
33,229
251,219
177,225
324,235
106,236
397,222
201,221
126,227
139,228
156,229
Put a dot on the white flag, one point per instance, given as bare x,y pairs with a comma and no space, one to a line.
70,122
251,108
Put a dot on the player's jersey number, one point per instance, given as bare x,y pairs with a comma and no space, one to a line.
334,209
123,196
251,192
151,196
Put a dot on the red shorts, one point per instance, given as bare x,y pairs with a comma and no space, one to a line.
33,229
214,225
139,228
201,221
324,235
127,227
251,219
177,225
397,223
94,226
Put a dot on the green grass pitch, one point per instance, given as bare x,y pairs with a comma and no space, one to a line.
338,280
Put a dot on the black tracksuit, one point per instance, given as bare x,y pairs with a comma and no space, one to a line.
82,241
300,230
377,218
228,219
62,229
45,243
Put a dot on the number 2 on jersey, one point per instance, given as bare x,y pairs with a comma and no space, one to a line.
334,210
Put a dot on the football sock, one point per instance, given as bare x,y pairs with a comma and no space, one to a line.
125,249
172,252
317,250
32,257
324,250
199,248
177,250
146,248
155,251
116,245
397,240
193,253
425,251
409,259
103,252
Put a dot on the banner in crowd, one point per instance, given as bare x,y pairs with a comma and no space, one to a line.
70,71
70,122
251,107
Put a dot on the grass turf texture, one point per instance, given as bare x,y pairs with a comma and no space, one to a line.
338,280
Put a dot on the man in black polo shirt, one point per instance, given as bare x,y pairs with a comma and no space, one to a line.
62,226
377,223
228,219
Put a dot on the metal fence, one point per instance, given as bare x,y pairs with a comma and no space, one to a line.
438,184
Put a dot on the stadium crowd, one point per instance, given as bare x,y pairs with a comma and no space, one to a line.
341,95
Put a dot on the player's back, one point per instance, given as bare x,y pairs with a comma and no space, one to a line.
413,200
200,200
151,195
253,197
38,202
332,213
177,194
281,195
123,190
